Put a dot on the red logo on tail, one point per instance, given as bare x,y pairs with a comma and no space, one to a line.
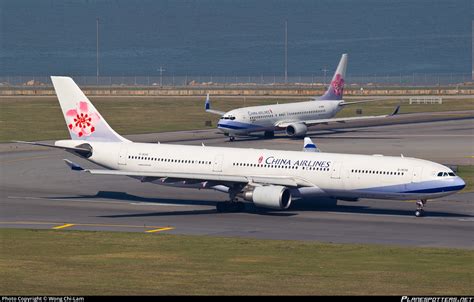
338,84
81,121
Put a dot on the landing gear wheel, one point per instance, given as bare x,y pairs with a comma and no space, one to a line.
231,138
220,207
419,208
269,134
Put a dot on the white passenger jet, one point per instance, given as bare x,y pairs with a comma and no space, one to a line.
293,118
268,178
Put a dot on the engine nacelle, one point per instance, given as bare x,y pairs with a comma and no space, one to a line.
273,197
296,130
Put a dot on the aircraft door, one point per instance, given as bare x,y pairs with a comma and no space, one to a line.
336,171
217,164
122,158
417,174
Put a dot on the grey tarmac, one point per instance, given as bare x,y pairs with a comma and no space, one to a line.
37,190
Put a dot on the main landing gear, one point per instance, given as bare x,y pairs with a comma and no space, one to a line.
419,208
232,205
269,134
231,138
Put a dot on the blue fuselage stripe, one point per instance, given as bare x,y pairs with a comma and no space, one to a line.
438,190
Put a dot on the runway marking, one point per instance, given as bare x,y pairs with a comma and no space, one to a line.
153,228
402,216
100,201
159,230
159,204
25,158
63,226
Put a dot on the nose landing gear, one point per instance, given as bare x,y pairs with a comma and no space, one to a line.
419,208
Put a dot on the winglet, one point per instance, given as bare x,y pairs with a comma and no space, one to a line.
73,165
309,146
207,106
395,112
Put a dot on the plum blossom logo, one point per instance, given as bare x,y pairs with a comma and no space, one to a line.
338,84
81,121
260,159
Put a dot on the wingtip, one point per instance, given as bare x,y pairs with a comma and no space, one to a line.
73,165
396,111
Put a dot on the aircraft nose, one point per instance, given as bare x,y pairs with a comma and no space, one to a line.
460,183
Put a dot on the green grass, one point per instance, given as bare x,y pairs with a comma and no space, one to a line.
47,262
467,174
40,118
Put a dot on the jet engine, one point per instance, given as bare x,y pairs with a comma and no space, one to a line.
296,130
273,197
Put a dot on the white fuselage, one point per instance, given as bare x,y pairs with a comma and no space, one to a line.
330,174
246,120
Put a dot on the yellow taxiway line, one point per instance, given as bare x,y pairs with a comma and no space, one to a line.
150,229
159,230
63,226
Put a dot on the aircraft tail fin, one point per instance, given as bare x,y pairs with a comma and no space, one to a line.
335,90
84,122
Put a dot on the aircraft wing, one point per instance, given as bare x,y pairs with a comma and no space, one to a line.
337,120
360,102
221,113
224,179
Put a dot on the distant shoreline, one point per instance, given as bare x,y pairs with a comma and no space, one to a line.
243,90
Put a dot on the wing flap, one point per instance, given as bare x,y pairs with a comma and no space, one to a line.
268,180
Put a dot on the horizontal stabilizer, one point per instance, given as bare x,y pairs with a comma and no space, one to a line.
79,150
73,165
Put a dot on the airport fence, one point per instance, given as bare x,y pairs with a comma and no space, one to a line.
415,79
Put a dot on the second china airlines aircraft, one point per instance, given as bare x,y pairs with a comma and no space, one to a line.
268,178
293,118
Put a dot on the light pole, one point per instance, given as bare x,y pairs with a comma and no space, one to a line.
325,71
97,48
286,51
161,69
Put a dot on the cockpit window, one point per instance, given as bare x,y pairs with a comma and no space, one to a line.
228,118
445,174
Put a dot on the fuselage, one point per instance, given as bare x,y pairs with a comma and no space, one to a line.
330,174
246,120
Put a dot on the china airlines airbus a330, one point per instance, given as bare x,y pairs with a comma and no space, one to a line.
293,118
268,178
